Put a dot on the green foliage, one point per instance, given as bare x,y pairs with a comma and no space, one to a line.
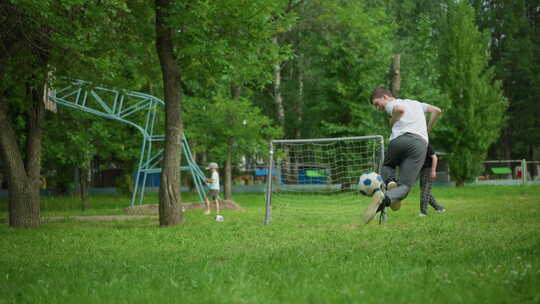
222,43
420,73
125,184
225,125
514,31
355,51
342,50
480,251
79,40
417,41
74,139
477,111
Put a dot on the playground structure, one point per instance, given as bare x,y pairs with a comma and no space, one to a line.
129,107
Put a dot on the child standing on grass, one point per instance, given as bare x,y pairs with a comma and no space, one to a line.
427,174
213,183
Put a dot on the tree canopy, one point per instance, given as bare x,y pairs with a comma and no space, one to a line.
477,110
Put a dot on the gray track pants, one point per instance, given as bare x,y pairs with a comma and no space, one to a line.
407,152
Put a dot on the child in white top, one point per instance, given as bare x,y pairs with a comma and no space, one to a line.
213,183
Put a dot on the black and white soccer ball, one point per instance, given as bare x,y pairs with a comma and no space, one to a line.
369,183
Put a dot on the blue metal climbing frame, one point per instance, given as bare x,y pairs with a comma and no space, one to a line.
129,107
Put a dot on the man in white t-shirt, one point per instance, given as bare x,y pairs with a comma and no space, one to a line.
406,149
213,184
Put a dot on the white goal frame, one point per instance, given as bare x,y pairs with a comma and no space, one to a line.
270,167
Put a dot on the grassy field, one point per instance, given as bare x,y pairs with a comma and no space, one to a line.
485,249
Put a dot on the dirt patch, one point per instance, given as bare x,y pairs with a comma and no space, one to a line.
103,218
154,208
149,211
90,218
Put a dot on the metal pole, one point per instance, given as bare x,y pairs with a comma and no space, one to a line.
307,140
149,126
268,214
524,171
381,161
139,169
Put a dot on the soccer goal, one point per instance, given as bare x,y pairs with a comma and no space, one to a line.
319,176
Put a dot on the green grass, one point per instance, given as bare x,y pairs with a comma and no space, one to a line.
485,249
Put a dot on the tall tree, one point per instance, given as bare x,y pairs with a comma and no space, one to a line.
515,45
291,8
23,58
41,37
477,111
169,189
226,50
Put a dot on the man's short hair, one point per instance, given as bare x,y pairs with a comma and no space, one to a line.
380,92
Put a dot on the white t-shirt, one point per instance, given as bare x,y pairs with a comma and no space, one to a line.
214,185
413,119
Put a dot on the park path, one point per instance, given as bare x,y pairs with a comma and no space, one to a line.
106,218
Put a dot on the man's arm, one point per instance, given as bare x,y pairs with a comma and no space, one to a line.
435,114
397,112
434,160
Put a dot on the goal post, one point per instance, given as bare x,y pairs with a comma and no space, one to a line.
310,176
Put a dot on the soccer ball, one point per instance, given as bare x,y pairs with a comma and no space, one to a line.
370,183
219,218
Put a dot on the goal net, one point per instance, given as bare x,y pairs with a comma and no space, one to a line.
307,178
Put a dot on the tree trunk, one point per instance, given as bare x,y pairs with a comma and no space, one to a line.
278,100
396,75
300,96
85,177
23,168
23,177
169,190
507,143
236,91
228,173
531,155
187,178
277,89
